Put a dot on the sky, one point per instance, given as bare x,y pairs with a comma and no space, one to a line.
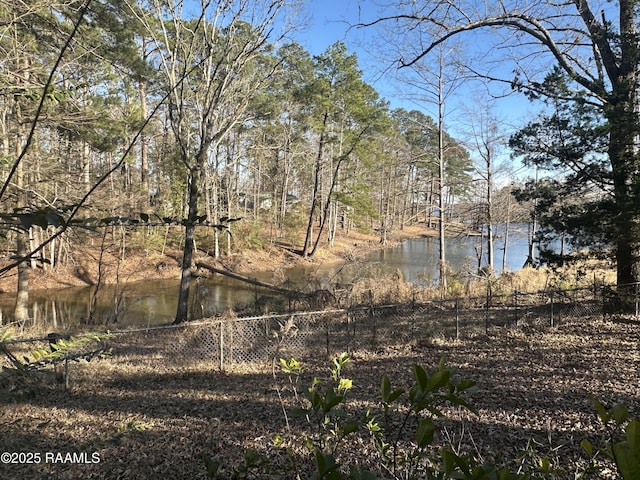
327,21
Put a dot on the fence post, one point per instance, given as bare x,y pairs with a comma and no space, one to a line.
457,319
222,345
636,299
551,297
486,311
515,305
372,318
66,372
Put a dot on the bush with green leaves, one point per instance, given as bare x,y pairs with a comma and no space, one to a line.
622,446
22,374
324,409
397,441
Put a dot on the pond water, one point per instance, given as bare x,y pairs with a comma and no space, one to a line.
418,258
155,302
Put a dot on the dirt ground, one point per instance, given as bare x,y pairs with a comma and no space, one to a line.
136,265
137,417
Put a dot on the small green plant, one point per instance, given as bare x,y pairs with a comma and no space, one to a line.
396,439
622,446
322,408
23,374
417,409
402,433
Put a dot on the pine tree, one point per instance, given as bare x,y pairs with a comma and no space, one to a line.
570,142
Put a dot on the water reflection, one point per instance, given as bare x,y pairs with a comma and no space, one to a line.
418,258
155,302
141,303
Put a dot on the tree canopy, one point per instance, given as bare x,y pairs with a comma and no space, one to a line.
144,115
593,46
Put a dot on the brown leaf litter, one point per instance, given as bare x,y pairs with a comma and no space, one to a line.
147,419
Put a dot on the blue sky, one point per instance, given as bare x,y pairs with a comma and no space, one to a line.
326,24
327,21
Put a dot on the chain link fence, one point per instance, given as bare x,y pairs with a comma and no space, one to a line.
230,340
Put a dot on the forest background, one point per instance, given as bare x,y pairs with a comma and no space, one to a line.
146,128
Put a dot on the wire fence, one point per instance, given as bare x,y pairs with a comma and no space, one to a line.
229,340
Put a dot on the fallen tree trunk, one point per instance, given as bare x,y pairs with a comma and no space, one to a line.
252,281
316,299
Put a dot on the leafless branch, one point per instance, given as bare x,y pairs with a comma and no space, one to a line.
43,98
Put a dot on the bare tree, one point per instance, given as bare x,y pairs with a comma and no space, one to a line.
213,62
486,139
434,84
595,44
26,105
47,106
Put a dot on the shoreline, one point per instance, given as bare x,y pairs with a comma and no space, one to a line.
272,264
141,265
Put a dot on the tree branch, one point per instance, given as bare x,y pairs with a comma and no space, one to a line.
45,89
530,26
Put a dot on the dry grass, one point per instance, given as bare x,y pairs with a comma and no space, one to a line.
380,287
147,417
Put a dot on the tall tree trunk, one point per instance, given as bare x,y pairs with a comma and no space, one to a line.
227,231
490,247
21,310
315,193
627,221
182,312
441,166
215,187
325,211
622,114
284,189
86,165
324,214
506,232
430,202
144,146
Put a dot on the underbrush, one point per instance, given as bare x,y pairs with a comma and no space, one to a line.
377,287
395,437
146,415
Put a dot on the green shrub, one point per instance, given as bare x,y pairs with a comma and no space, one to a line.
248,236
622,446
323,407
397,441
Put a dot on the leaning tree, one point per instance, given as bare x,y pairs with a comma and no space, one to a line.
594,43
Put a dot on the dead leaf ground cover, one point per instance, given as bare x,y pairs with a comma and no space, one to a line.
147,419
